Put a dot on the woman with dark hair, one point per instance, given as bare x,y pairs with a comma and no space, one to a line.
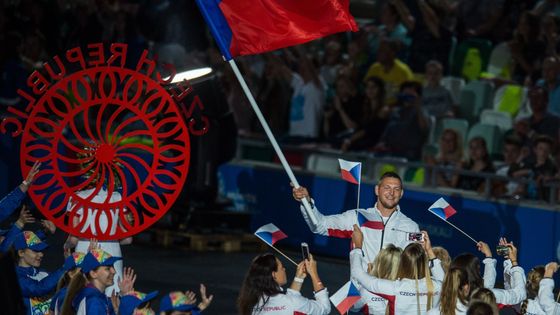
261,292
414,291
375,115
478,161
514,274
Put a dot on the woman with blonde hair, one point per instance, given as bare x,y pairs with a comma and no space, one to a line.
385,266
531,304
454,293
414,290
450,156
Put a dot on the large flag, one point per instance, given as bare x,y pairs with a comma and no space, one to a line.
442,209
249,27
350,171
270,234
345,297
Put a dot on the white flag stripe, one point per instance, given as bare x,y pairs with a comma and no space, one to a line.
347,165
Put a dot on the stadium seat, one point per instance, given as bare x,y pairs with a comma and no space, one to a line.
475,97
454,85
500,64
510,98
491,133
471,58
415,175
383,167
496,118
324,164
457,124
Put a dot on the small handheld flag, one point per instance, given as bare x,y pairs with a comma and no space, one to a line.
270,234
345,297
443,210
350,171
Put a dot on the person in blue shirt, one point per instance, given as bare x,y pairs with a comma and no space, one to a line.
72,264
7,236
13,200
36,284
86,294
134,303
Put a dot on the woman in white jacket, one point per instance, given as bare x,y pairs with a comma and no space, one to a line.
454,294
385,266
546,286
414,291
262,294
514,275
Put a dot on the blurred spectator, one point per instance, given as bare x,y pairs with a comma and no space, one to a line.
527,50
357,60
512,163
449,156
332,61
392,28
408,125
541,122
541,170
390,69
550,34
478,161
436,99
545,6
274,95
375,115
343,117
483,19
308,98
236,98
551,82
430,39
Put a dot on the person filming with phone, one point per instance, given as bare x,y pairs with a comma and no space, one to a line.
381,225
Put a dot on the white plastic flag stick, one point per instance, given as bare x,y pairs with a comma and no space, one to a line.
359,185
458,229
276,249
270,136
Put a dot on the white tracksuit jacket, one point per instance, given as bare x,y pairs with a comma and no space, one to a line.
546,297
514,283
401,294
293,303
376,234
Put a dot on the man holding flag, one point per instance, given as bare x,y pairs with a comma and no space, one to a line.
381,225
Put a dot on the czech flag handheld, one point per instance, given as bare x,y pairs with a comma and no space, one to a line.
250,27
442,209
345,297
270,234
350,171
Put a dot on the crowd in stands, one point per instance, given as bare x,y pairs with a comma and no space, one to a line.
398,86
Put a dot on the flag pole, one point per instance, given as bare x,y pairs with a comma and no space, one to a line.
359,185
276,249
458,229
270,136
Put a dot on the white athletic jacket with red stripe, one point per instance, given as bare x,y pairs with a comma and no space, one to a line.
405,296
293,303
546,297
376,234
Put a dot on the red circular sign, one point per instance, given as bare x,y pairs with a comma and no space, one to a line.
114,150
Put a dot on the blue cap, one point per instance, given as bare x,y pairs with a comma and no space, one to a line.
28,239
132,300
175,301
96,258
